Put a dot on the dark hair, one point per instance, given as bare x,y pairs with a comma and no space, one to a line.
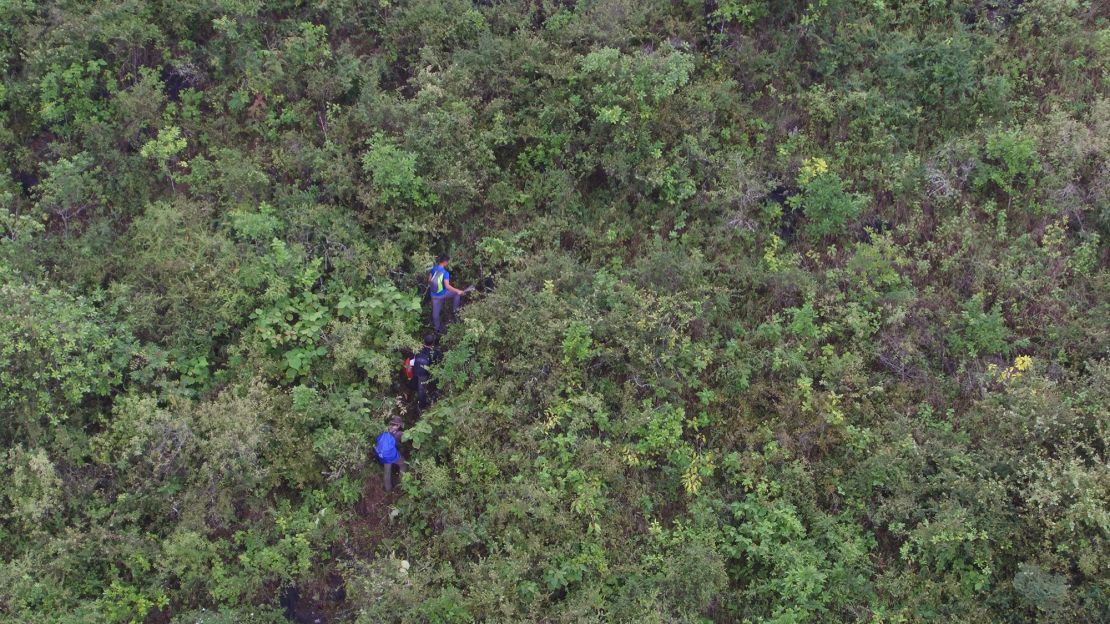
441,258
429,340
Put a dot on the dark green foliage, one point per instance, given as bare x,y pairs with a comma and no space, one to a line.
789,311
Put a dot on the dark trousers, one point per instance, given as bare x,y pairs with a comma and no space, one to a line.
437,309
421,395
387,476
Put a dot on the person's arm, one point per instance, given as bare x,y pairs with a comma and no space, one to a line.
448,286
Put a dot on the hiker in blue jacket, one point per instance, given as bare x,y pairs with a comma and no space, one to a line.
441,290
387,448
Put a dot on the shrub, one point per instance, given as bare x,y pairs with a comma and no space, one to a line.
1011,161
824,200
57,350
980,332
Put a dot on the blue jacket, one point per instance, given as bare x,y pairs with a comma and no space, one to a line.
386,449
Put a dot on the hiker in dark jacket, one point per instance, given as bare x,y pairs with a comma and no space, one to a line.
428,356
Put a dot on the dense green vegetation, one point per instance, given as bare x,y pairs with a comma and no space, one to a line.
795,311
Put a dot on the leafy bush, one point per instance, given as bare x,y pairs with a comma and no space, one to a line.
981,332
1011,160
71,97
57,350
393,173
824,200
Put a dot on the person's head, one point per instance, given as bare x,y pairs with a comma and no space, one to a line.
395,424
443,259
430,340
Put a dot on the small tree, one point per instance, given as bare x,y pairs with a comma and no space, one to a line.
164,150
70,188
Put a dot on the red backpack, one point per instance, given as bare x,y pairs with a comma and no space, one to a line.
407,367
